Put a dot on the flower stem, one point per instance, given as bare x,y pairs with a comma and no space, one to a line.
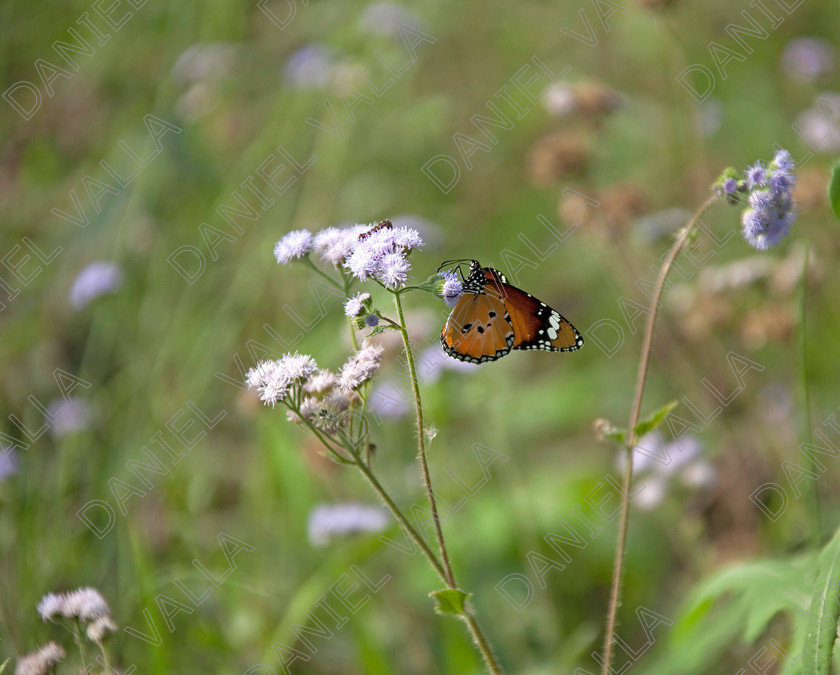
468,616
647,344
395,510
421,446
810,460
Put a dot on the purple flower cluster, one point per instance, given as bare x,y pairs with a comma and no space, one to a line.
42,660
375,251
381,253
771,209
272,379
314,395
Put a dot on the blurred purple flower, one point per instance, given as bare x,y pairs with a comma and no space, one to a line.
310,67
331,520
771,209
805,59
658,463
386,18
98,278
433,361
66,416
9,462
388,400
819,127
203,61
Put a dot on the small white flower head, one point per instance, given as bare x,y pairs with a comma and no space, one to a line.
299,367
393,269
98,278
41,661
293,246
451,288
380,252
272,379
51,606
321,383
407,238
328,521
334,245
363,262
86,604
361,366
99,628
354,306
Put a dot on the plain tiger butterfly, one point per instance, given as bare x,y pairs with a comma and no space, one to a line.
492,317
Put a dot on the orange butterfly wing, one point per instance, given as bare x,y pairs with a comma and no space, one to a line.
478,329
492,317
535,324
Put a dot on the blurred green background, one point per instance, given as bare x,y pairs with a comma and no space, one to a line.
190,106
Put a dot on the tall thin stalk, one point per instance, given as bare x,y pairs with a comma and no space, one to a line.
469,618
421,445
631,440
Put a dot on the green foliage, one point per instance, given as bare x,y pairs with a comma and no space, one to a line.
736,606
834,189
653,420
824,611
161,343
450,601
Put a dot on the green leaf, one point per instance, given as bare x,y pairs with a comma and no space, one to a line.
381,328
450,601
825,608
3,665
736,605
606,429
834,190
652,421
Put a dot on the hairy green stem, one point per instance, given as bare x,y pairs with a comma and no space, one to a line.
647,344
478,636
421,445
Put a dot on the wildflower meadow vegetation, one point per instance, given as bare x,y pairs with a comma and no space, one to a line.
420,338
